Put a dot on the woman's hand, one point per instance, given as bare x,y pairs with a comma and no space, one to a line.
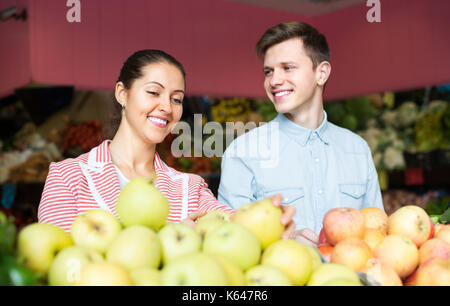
286,218
192,218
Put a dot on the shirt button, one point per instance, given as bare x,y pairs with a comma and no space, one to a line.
320,191
317,160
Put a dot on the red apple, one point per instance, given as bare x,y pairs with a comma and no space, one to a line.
326,250
411,280
443,232
352,252
382,273
434,272
431,230
399,252
342,223
434,248
322,238
376,218
410,221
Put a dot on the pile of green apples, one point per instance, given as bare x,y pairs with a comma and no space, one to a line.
140,247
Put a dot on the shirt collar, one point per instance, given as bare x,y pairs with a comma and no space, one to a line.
301,134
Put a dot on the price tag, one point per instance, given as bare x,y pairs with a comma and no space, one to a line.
414,177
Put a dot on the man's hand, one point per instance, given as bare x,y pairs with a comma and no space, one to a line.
306,236
286,218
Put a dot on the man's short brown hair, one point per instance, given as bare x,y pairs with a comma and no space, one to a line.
315,43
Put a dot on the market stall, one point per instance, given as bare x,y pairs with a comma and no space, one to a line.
401,110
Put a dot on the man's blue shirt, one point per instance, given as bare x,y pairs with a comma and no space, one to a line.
314,170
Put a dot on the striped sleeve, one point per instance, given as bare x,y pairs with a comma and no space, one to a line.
207,201
58,205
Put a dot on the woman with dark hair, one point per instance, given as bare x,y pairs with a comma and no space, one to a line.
150,92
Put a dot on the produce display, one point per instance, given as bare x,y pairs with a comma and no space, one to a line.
244,248
84,136
403,248
144,249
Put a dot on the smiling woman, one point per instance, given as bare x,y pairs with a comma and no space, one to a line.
148,101
148,96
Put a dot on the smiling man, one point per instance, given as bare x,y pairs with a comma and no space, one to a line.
319,165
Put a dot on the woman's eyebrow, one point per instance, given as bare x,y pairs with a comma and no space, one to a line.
154,82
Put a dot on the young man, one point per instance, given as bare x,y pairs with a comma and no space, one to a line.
314,164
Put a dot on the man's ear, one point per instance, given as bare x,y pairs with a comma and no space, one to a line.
323,73
121,93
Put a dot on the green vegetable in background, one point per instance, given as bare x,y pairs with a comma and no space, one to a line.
361,109
14,274
7,234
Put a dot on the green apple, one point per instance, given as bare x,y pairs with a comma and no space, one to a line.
95,229
263,219
265,275
316,261
38,243
105,274
205,226
178,239
332,272
146,277
194,269
234,242
141,203
235,275
134,247
292,258
66,267
216,214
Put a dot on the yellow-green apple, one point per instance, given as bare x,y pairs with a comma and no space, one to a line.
383,274
434,272
235,275
316,261
178,239
266,275
376,218
326,250
443,232
146,277
194,269
352,252
216,214
136,246
372,237
291,257
332,272
38,243
410,221
341,223
205,226
95,229
263,219
234,242
141,203
105,274
66,267
434,248
398,252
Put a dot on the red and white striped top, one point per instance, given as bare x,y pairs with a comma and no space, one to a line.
90,181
